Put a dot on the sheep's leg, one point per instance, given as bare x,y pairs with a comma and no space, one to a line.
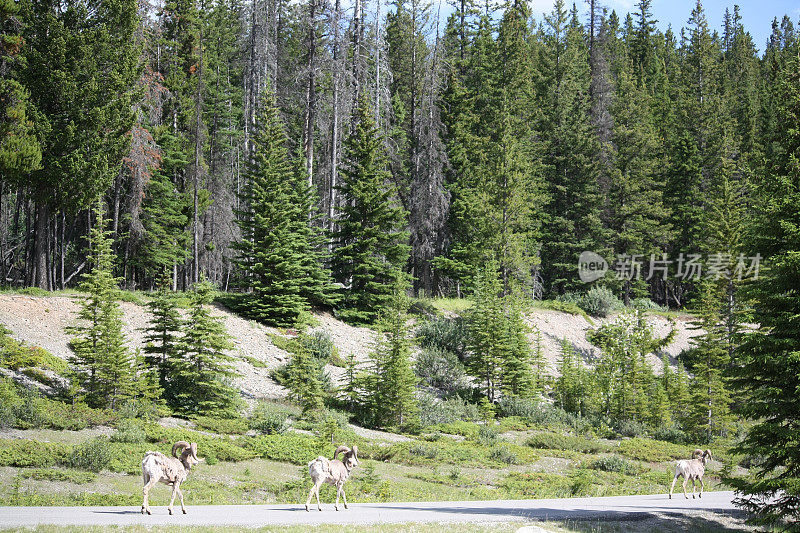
314,488
172,499
151,482
180,495
685,481
338,491
702,487
694,480
344,496
316,491
673,486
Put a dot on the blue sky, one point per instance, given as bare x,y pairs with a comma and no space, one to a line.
756,15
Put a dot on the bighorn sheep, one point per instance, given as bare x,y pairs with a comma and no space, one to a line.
169,470
692,469
333,472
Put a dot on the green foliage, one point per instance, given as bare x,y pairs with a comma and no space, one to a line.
291,448
102,363
573,387
439,369
17,355
162,339
321,347
269,418
93,455
279,250
50,474
223,426
202,371
599,301
129,431
435,411
614,463
653,450
561,441
369,245
447,334
303,380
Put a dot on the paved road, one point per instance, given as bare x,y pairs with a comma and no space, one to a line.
616,507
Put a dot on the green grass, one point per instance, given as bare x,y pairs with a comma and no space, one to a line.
450,305
564,307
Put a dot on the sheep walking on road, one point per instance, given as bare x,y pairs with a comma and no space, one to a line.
171,471
692,469
334,472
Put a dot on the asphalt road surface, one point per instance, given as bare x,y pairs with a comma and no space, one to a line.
609,508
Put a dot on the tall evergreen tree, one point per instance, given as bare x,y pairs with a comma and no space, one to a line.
278,251
369,246
202,370
103,363
768,367
162,337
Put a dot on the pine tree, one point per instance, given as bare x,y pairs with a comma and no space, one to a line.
486,332
303,381
369,246
202,371
162,338
572,388
19,149
710,399
393,398
278,251
768,367
518,377
103,363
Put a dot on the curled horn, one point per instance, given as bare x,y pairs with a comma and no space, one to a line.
697,453
182,445
343,449
707,453
355,451
193,447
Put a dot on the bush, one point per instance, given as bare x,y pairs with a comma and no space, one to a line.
224,426
16,355
501,454
654,451
614,463
447,334
290,448
630,428
487,436
599,301
469,430
646,304
51,474
32,453
439,369
435,411
129,431
319,344
559,441
26,409
331,425
271,418
521,407
93,455
671,434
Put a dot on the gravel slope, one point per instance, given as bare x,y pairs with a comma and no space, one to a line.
40,321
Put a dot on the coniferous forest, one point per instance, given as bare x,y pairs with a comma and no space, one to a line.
345,157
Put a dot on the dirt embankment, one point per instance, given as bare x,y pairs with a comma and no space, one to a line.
41,321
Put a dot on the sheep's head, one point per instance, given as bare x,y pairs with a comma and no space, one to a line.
697,454
349,457
188,453
707,456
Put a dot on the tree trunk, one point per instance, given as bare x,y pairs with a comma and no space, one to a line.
40,245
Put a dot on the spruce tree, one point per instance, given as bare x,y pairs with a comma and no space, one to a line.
102,362
518,377
162,338
572,388
369,245
303,381
486,333
393,396
767,365
202,369
278,250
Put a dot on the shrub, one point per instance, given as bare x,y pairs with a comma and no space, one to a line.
653,451
16,355
469,430
599,301
521,407
271,418
421,450
487,435
331,425
291,448
614,463
559,441
51,474
129,431
447,334
501,454
435,411
439,369
630,428
671,434
93,455
32,453
646,304
319,344
224,426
